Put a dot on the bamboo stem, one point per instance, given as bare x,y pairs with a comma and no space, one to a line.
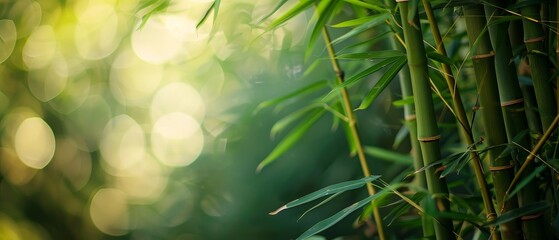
463,121
353,128
427,129
502,167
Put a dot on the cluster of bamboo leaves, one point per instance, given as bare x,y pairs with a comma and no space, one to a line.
490,64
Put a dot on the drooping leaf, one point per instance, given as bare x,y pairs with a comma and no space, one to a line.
301,92
286,143
328,222
528,209
375,21
291,13
329,190
373,55
388,155
382,83
206,15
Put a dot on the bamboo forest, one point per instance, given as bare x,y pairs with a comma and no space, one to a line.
279,119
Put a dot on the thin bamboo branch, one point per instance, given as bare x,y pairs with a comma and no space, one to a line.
353,127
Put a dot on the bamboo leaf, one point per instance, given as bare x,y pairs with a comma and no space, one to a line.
283,123
328,222
297,133
354,22
294,11
276,8
216,4
388,155
301,92
382,83
531,208
329,190
206,15
440,58
375,21
320,204
373,55
324,12
372,6
359,76
526,180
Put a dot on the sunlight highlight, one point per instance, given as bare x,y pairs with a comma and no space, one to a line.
34,142
8,35
97,30
122,144
46,83
109,211
143,183
177,97
40,48
177,139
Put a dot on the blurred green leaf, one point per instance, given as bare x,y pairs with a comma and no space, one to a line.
284,122
373,55
440,58
388,155
324,11
329,190
291,13
374,21
301,92
382,83
354,22
529,209
369,5
286,143
328,222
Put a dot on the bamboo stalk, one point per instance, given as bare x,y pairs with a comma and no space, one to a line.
512,105
353,128
535,41
427,129
411,124
501,167
465,127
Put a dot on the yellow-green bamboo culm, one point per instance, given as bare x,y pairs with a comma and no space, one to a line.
427,128
462,119
501,167
353,128
512,105
536,45
411,123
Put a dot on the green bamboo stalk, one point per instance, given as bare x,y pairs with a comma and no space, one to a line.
427,129
462,118
353,128
534,38
501,167
411,124
512,105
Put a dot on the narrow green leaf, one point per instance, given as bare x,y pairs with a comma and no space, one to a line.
216,4
531,208
328,222
329,190
388,155
276,8
320,204
354,22
206,15
297,133
372,6
382,83
440,58
525,180
404,101
359,76
375,21
284,122
373,55
301,92
300,7
324,12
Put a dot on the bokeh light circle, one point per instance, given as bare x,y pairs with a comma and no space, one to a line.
122,144
109,211
177,97
40,48
8,36
34,142
177,139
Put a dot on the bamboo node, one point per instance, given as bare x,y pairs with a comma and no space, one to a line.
476,107
410,117
429,139
501,168
491,216
398,1
512,102
530,217
533,40
485,55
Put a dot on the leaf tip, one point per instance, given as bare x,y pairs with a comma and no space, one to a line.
278,210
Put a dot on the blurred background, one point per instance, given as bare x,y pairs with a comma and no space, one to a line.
124,120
